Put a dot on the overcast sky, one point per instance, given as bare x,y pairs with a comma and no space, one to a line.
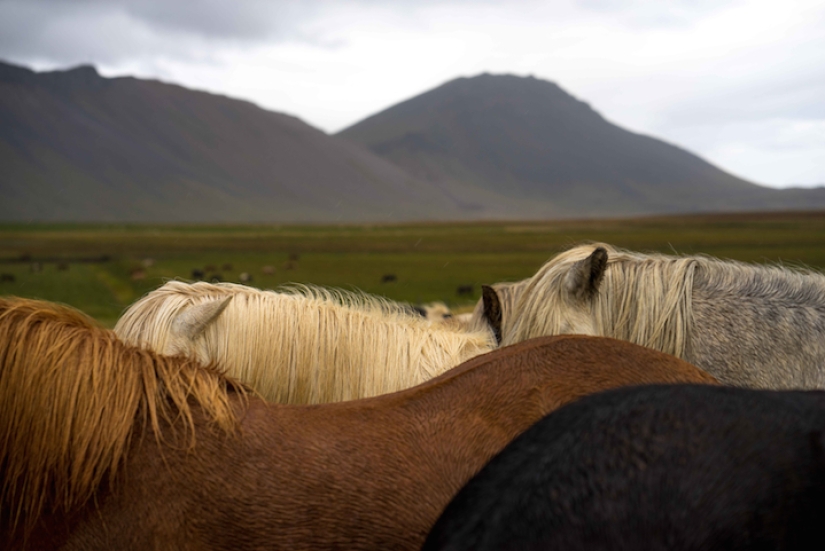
741,83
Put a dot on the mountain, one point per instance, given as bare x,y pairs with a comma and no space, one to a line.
75,146
529,140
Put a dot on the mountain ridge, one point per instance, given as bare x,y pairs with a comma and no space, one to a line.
545,145
76,146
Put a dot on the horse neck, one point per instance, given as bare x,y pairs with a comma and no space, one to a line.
648,303
308,350
761,284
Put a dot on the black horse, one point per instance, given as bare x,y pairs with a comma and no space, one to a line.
659,467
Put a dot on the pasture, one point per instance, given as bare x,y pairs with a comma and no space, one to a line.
101,269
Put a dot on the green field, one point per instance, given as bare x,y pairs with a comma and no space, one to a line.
101,269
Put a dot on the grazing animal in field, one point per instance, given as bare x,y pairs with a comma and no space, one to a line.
7,278
748,325
464,290
245,277
677,467
108,446
198,274
306,345
388,278
268,270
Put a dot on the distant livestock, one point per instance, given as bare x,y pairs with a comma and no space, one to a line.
748,325
268,270
304,345
7,278
245,277
464,290
110,447
198,274
675,467
388,278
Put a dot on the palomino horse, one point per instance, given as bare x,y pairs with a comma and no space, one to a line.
747,325
108,446
306,346
677,467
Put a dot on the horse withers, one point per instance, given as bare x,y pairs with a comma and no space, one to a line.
677,467
110,446
748,325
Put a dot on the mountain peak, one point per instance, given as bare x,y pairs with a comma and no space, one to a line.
526,137
82,75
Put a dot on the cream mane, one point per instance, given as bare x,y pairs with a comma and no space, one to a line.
70,396
648,299
306,344
644,299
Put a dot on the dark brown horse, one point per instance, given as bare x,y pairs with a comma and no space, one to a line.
106,446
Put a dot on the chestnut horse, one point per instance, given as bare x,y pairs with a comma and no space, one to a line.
108,446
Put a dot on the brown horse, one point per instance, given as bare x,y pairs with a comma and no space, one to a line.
108,446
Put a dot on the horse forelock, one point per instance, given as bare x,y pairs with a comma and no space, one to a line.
306,344
72,396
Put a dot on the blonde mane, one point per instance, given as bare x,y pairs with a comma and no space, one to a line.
305,344
644,299
71,397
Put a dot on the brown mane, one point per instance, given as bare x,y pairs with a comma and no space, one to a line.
71,395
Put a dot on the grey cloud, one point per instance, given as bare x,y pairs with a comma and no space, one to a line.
102,31
794,97
646,14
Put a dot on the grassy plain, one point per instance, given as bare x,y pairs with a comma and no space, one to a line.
102,264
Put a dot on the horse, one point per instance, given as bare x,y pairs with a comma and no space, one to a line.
497,300
679,467
104,445
748,325
305,345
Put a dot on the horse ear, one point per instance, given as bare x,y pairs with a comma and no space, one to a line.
586,275
194,320
492,310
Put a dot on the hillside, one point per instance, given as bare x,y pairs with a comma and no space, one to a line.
528,139
75,146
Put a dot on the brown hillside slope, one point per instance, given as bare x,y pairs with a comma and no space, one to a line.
75,146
